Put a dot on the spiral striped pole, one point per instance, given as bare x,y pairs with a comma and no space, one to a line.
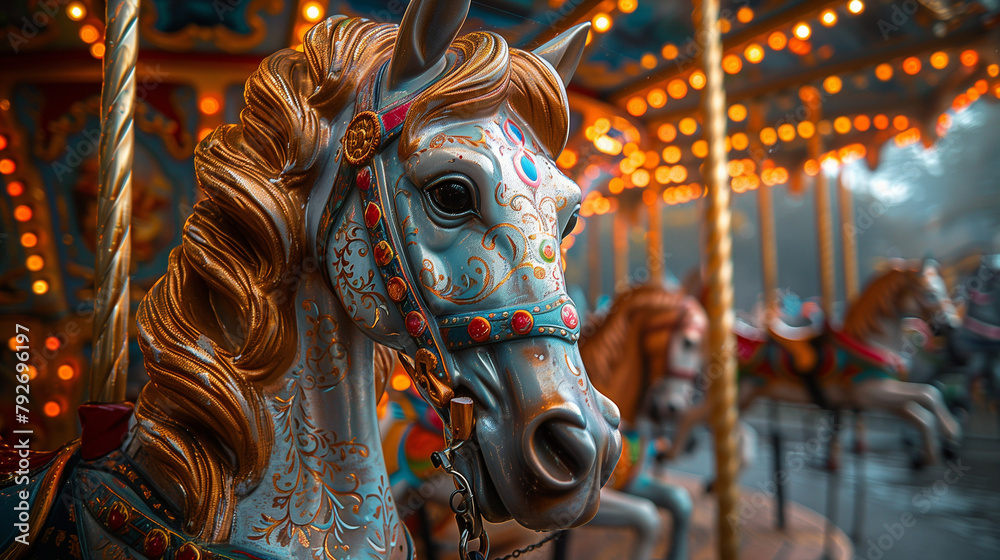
114,210
719,279
824,220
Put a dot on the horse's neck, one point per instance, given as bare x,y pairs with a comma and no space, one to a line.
887,332
326,486
613,361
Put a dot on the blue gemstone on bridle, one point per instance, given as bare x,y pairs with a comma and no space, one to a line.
528,166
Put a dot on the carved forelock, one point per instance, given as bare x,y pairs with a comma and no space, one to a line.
211,328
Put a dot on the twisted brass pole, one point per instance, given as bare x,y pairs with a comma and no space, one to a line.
824,221
848,238
719,279
595,261
114,210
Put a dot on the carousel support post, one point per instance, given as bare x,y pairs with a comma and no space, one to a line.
595,262
848,238
769,258
719,280
654,240
824,222
114,217
620,244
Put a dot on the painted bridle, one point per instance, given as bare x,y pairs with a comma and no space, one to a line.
371,130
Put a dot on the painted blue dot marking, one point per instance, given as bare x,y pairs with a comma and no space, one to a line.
514,132
529,168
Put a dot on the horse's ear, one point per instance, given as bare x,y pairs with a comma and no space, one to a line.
428,28
564,52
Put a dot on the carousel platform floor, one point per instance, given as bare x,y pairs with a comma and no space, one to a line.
803,539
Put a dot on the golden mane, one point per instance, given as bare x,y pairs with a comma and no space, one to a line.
219,325
882,297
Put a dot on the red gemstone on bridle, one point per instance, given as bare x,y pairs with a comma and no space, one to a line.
372,214
415,323
188,552
155,543
479,329
521,322
364,179
569,316
117,516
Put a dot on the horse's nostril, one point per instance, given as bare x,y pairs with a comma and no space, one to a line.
561,453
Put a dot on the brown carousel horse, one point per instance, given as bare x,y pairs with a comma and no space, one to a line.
389,184
646,350
857,367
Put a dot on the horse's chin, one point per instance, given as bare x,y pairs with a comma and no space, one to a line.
499,501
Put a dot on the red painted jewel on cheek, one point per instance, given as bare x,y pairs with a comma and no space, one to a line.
117,516
569,317
479,329
155,544
415,323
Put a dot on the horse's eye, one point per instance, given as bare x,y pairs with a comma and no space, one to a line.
453,197
571,223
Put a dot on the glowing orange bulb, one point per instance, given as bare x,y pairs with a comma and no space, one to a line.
35,263
700,148
7,166
802,30
881,122
862,123
744,15
40,287
884,72
76,11
786,132
679,173
657,98
969,57
811,168
777,40
3,142
731,63
688,126
52,409
566,159
740,141
900,122
697,79
855,6
754,53
66,372
828,18
677,89
768,136
993,70
209,105
832,84
22,213
312,11
97,50
737,112
400,382
52,343
842,125
89,33
806,129
15,188
29,240
669,51
636,106
671,154
602,22
939,60
666,132
627,6
616,185
648,61
911,65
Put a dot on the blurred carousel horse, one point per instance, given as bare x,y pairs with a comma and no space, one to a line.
856,368
377,189
647,351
